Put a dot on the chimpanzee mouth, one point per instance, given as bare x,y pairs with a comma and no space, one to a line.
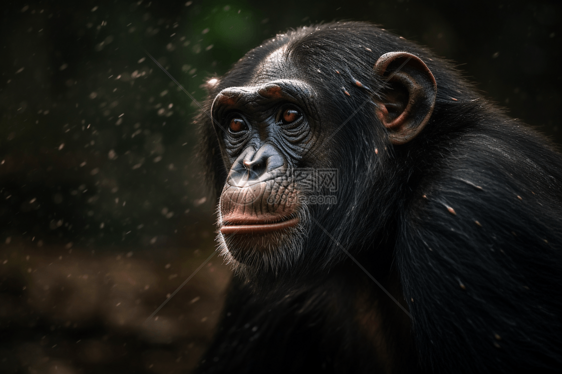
257,225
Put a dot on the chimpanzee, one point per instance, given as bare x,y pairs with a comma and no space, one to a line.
381,216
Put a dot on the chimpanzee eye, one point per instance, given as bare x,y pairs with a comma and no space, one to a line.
290,115
236,125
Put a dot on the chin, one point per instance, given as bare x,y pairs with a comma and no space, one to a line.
263,244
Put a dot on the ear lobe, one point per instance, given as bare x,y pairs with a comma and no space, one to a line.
408,99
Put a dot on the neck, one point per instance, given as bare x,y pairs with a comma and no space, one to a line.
364,323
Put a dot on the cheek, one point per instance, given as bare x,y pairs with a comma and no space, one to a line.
294,142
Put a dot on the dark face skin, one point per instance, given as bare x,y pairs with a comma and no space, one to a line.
266,130
276,124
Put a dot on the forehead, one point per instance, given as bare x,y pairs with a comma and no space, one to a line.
276,65
273,80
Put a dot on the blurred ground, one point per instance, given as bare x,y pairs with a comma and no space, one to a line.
66,310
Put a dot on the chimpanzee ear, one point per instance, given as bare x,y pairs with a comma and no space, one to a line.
408,98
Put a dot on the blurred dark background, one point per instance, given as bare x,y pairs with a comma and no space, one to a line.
103,212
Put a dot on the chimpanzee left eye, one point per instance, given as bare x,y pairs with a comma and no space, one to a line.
290,115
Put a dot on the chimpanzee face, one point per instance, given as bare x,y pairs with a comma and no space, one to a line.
265,130
273,125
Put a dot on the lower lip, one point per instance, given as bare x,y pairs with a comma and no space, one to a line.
259,228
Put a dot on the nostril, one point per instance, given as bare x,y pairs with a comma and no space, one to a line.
253,164
256,166
260,167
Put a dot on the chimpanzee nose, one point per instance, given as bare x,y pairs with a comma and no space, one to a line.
265,160
254,166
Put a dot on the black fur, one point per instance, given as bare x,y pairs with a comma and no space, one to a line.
463,225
